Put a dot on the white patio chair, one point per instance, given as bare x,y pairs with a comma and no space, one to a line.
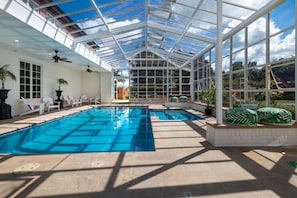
51,104
32,107
97,100
85,99
74,102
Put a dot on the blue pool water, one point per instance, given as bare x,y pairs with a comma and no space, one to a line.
173,114
99,129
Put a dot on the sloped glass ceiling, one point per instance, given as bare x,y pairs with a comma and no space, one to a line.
176,30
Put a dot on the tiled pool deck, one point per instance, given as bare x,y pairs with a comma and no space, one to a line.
183,165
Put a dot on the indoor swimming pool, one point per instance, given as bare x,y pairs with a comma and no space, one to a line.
173,114
101,129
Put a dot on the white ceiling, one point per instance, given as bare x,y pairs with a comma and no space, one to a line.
35,43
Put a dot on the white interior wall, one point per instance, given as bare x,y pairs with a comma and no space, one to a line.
52,72
106,88
80,82
91,84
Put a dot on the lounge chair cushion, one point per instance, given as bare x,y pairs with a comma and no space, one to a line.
31,107
183,99
242,116
272,115
173,99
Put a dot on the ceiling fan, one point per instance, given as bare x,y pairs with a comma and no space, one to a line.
89,70
57,58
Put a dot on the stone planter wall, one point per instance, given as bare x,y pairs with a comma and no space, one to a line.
261,135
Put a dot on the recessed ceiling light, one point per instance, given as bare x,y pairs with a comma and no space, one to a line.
16,41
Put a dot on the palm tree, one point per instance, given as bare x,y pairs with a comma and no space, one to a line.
4,72
61,81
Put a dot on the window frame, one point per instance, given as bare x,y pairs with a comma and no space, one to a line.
30,80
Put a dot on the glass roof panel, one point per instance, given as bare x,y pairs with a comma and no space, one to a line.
74,5
179,19
156,2
118,27
108,7
206,16
175,25
253,4
157,19
236,12
159,13
209,6
116,24
92,26
182,10
83,15
130,13
211,32
189,2
131,34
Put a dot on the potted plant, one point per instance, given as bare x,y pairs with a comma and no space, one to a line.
60,81
5,109
209,98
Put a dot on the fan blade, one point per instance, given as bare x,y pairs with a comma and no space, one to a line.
89,70
65,60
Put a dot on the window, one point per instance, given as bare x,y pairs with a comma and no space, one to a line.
30,80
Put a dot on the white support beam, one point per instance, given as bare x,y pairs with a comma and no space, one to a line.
219,49
162,56
132,53
295,62
174,55
162,27
268,65
127,28
192,82
51,4
110,33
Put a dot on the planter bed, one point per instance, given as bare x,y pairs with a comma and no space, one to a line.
259,135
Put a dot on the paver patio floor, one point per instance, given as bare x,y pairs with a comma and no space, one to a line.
183,165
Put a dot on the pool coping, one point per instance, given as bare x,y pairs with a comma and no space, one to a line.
37,119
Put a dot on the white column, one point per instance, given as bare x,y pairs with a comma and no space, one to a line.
167,84
180,81
268,68
219,98
246,80
129,83
295,62
192,81
231,99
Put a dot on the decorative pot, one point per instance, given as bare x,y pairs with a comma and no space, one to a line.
59,94
207,111
5,109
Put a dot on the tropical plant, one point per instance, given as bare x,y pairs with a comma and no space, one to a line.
4,72
62,81
209,96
